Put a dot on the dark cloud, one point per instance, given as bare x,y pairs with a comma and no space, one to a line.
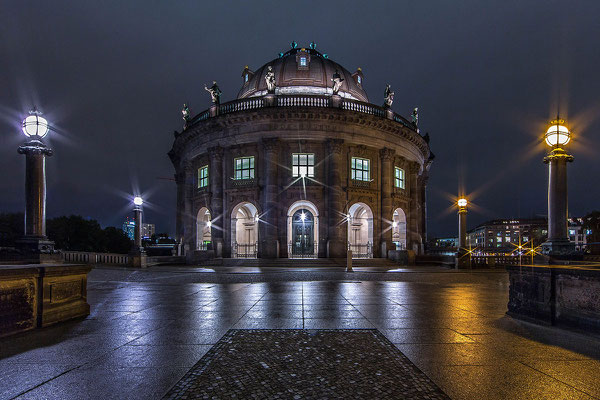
112,77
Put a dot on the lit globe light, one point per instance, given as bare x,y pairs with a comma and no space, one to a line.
557,134
138,201
209,224
302,216
35,125
303,175
394,224
462,202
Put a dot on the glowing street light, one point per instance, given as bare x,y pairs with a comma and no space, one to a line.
302,217
35,242
462,231
137,211
557,136
138,201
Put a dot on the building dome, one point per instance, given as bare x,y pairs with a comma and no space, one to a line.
303,71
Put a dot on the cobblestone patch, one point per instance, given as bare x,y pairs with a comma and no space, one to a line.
304,364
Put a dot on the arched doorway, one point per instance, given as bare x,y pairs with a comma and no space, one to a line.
303,230
399,229
360,230
244,231
203,225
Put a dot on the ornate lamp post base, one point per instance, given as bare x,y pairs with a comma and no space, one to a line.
559,247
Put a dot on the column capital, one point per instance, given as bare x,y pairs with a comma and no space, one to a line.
270,144
335,145
216,152
387,154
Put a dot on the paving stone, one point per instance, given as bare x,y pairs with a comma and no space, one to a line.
305,364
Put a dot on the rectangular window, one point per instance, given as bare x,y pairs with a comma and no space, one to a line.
360,169
303,164
399,177
359,79
244,168
303,61
203,176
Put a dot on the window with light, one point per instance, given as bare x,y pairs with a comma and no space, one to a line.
399,177
244,168
303,61
203,177
361,169
303,165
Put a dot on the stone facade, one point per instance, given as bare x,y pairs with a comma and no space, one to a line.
271,131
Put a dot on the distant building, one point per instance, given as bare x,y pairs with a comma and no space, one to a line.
505,235
129,228
577,234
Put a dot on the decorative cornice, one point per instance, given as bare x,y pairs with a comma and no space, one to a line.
287,119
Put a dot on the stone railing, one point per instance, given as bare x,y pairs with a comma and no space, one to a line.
493,261
82,257
323,101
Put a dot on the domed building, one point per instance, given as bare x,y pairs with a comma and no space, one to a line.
300,165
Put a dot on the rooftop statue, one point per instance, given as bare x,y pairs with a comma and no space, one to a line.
388,97
215,92
415,117
270,79
186,114
337,82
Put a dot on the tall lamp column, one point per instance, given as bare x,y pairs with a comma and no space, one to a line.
138,255
35,244
462,261
557,136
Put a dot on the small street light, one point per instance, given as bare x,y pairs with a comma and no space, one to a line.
462,232
138,254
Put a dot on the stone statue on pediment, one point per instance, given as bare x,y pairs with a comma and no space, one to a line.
388,96
337,82
270,79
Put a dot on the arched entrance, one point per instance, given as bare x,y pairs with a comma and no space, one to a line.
203,224
399,229
360,230
303,230
244,231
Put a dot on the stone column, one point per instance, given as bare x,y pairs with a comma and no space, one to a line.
269,236
217,217
337,245
35,239
423,197
188,217
558,234
387,183
180,205
414,243
137,234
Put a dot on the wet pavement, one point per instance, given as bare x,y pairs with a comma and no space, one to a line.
148,328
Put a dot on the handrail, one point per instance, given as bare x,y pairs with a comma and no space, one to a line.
85,257
320,101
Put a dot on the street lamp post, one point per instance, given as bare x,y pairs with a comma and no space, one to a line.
462,233
138,255
35,245
557,136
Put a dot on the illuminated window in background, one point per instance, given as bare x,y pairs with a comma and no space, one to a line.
359,79
303,164
244,168
526,239
303,61
571,232
399,177
203,176
360,169
246,78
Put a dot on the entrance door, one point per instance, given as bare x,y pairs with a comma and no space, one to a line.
303,225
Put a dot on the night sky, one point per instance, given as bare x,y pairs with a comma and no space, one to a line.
112,76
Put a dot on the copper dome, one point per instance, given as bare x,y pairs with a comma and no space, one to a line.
303,71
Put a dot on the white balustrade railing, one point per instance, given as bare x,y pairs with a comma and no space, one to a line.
83,257
253,103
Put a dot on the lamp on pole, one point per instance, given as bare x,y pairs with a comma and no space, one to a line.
462,233
557,137
138,255
35,244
